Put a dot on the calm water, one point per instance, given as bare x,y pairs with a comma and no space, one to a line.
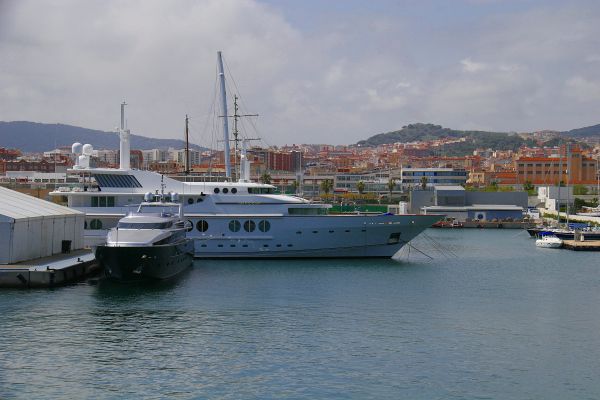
490,317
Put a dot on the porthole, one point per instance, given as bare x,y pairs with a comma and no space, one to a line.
315,231
219,245
234,225
233,190
264,226
190,200
265,245
199,199
249,226
202,245
244,245
225,190
96,224
331,231
216,190
202,225
190,225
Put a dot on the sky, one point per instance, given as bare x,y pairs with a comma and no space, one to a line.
334,71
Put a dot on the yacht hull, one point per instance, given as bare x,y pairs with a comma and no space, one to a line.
139,263
349,236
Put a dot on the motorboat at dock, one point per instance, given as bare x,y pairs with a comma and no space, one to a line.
149,244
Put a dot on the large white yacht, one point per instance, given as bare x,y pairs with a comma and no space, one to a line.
236,219
242,219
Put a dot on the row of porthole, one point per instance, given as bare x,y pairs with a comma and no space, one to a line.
225,190
190,200
236,226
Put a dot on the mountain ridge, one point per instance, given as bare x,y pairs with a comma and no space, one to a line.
35,137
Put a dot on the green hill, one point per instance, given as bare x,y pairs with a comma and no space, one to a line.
473,139
588,131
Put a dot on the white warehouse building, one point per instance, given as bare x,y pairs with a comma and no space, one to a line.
32,228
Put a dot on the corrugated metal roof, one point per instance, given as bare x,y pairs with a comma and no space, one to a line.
18,205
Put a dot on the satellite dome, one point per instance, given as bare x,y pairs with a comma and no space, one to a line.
77,148
88,149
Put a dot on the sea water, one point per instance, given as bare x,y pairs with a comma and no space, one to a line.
489,316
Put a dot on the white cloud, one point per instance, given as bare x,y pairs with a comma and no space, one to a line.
336,80
470,66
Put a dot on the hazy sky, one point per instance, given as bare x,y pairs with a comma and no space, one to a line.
316,71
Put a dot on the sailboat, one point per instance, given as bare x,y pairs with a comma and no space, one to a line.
239,219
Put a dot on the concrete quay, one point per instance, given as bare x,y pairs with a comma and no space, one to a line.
56,270
577,245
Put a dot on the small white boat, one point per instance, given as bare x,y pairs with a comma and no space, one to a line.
549,241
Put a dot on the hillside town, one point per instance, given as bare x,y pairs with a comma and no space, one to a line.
317,171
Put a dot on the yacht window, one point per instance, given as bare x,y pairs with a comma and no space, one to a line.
190,200
307,211
202,225
234,225
96,224
225,190
103,201
199,199
233,190
264,226
114,180
189,226
249,226
216,190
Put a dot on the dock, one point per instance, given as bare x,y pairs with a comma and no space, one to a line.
577,245
56,270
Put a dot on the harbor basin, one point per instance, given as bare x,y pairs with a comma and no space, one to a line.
490,317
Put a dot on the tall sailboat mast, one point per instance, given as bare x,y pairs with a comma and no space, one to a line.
224,114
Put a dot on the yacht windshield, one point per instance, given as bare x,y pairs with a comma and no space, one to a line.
144,225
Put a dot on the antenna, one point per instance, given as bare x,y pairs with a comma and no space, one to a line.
187,146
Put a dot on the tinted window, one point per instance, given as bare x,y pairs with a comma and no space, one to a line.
234,226
249,226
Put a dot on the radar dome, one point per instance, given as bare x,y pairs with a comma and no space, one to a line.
77,148
88,149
